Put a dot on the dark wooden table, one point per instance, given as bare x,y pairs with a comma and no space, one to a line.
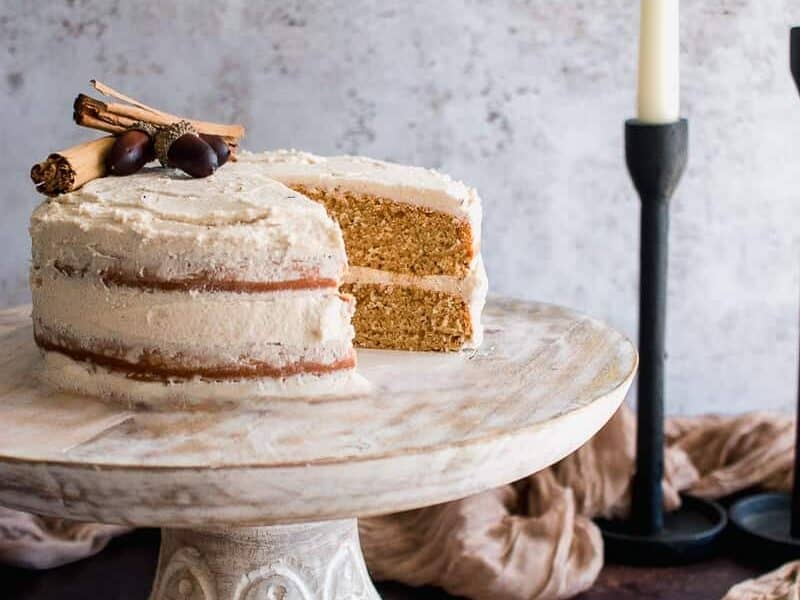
124,571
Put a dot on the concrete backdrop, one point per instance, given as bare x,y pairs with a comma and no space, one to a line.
524,100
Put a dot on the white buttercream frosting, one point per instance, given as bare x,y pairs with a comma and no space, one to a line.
465,287
226,328
237,224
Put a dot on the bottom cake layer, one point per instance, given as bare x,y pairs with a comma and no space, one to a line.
81,377
409,318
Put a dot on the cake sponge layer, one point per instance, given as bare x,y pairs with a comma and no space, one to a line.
401,238
409,318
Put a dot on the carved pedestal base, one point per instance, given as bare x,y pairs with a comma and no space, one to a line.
313,561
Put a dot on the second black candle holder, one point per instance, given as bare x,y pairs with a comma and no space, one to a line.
656,155
767,525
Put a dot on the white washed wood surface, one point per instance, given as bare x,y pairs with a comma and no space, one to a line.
435,427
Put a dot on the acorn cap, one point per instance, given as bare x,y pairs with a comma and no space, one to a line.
148,128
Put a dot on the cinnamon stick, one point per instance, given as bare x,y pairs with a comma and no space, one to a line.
114,117
65,171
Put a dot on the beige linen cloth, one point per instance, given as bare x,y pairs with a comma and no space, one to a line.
531,539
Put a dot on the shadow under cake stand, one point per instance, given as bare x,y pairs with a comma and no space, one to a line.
262,504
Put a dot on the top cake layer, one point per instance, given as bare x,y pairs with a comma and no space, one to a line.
237,230
416,186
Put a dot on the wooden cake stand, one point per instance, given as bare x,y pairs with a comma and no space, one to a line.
262,504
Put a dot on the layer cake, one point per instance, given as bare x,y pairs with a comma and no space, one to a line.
238,285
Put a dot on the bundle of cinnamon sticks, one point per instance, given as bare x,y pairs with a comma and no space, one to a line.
69,169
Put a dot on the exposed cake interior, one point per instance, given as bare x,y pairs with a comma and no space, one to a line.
412,237
391,236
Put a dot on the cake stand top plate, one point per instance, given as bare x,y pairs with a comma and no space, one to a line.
435,427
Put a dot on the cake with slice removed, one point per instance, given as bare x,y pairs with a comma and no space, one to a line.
413,244
156,287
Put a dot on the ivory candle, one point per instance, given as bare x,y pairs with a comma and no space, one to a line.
658,97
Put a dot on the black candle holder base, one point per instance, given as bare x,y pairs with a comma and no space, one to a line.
761,524
690,534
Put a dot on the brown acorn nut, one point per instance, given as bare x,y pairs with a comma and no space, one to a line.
219,146
193,155
131,151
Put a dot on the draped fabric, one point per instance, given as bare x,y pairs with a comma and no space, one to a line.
535,539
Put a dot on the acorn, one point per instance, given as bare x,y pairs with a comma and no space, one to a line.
219,146
132,150
193,155
178,145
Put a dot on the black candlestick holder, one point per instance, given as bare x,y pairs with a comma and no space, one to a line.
656,156
768,525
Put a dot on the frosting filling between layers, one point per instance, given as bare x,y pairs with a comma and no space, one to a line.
152,367
206,282
473,284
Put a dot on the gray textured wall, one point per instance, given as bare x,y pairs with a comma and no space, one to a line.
524,100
